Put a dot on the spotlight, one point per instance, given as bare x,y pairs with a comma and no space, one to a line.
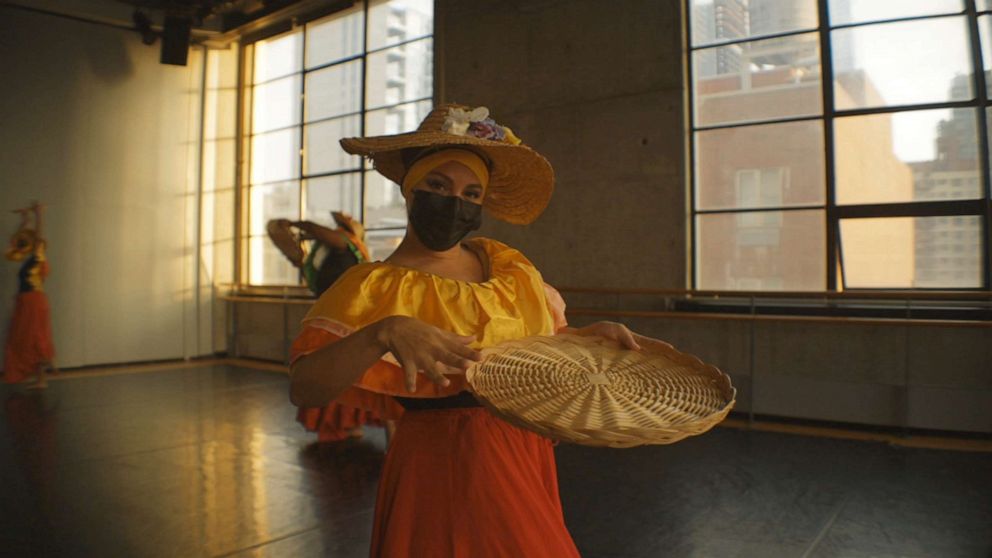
175,40
144,27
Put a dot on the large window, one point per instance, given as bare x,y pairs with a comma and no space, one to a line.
840,144
364,71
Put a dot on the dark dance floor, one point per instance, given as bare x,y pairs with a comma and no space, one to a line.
208,461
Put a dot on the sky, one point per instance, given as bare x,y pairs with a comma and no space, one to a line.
911,62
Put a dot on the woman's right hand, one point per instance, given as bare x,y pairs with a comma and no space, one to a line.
421,347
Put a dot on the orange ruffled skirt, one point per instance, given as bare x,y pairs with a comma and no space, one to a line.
463,483
335,422
29,340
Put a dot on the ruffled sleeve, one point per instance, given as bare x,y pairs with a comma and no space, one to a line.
556,305
313,338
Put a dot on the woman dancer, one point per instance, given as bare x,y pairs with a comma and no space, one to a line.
29,350
396,337
322,254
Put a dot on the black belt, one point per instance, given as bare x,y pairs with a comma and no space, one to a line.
462,400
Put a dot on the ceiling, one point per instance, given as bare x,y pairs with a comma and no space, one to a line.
208,17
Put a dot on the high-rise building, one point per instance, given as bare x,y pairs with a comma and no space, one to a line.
716,21
949,249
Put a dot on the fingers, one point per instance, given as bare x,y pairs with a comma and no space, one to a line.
410,375
614,331
465,352
424,349
651,342
456,362
627,339
436,374
451,370
456,352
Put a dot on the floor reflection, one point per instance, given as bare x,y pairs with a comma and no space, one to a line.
210,461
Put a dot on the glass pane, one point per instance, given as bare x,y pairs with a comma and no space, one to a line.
278,57
382,243
861,11
384,204
759,80
714,21
761,251
276,201
276,104
395,120
988,118
323,152
903,63
984,5
907,156
985,32
333,193
267,265
948,252
400,74
399,20
336,37
334,91
912,252
275,156
773,165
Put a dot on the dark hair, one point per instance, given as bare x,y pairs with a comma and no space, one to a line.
334,265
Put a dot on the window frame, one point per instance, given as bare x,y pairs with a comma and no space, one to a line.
243,207
834,213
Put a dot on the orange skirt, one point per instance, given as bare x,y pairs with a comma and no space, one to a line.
334,422
29,341
462,483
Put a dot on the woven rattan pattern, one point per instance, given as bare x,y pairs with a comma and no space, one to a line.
589,391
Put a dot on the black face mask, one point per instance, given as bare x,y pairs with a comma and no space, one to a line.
442,221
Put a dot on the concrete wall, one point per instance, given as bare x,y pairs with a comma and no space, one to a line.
108,138
597,88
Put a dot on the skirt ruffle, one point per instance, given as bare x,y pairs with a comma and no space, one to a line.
336,421
29,340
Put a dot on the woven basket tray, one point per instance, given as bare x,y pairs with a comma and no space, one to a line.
590,391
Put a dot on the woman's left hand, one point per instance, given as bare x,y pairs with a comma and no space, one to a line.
609,330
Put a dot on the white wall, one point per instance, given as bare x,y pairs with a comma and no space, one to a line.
93,126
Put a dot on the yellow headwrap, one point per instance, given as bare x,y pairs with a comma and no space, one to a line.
423,166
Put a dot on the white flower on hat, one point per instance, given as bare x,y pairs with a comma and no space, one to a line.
458,120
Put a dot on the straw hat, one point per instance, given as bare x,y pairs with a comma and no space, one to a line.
521,180
590,391
349,223
22,244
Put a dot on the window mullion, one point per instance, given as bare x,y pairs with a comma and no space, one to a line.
362,105
981,93
690,99
827,95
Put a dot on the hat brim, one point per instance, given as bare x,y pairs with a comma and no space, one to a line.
521,180
348,223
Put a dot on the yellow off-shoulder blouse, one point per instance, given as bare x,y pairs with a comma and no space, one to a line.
514,302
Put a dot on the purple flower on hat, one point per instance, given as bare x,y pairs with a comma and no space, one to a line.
476,123
487,129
